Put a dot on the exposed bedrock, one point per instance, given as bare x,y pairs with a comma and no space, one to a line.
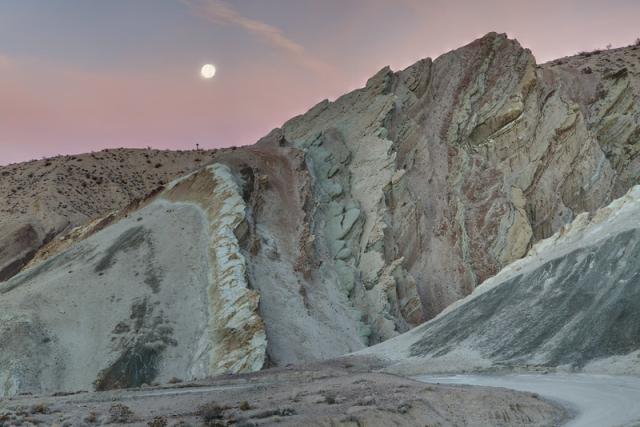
351,224
163,292
571,304
431,179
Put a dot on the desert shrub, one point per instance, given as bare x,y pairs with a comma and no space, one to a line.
40,408
119,413
158,422
330,398
210,412
244,405
591,53
91,418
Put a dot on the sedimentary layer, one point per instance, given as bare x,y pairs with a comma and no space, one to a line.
571,304
365,216
161,293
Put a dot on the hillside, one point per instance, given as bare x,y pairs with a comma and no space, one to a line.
571,305
44,198
348,226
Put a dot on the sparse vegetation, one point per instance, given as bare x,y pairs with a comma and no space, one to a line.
158,422
119,413
40,408
330,398
244,406
211,412
91,418
591,53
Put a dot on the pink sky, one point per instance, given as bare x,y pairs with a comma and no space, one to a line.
84,90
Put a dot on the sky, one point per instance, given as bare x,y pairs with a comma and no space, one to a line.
84,75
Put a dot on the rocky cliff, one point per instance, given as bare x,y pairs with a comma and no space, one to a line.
571,304
368,215
161,293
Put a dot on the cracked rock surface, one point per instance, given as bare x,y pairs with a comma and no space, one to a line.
349,225
570,305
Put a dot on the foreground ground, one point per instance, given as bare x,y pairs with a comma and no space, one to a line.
338,393
596,400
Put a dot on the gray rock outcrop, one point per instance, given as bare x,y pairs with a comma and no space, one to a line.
571,304
364,217
160,294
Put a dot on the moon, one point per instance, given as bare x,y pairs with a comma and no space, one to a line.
208,71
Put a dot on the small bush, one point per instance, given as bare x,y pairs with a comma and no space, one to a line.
119,413
588,54
91,418
211,412
158,422
40,408
244,405
330,398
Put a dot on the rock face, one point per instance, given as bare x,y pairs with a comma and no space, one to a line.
572,303
161,293
363,217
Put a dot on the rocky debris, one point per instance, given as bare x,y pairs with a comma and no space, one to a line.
311,395
571,304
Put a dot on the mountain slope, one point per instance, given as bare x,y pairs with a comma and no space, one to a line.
159,294
361,219
572,303
448,171
44,198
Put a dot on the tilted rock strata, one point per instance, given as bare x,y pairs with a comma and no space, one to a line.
571,304
450,169
237,340
371,214
161,293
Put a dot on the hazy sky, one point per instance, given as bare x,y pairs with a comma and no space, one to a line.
82,75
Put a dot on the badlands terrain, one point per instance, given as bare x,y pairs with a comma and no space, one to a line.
482,193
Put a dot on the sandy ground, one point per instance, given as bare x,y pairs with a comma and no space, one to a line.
340,393
595,400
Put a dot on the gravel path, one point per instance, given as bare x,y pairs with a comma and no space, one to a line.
596,400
